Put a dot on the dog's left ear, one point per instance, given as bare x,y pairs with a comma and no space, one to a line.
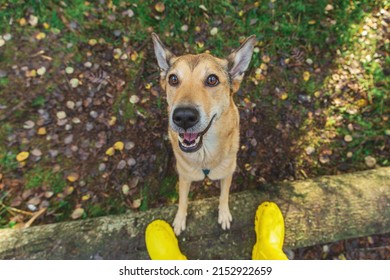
239,61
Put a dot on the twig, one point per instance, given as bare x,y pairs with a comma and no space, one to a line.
34,217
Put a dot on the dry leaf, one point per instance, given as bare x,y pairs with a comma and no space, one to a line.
22,156
110,151
77,213
118,146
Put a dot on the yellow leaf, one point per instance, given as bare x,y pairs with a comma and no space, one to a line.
92,42
22,22
311,22
22,156
42,131
40,36
148,86
110,151
306,76
46,25
73,177
118,145
85,197
112,121
134,56
284,96
160,7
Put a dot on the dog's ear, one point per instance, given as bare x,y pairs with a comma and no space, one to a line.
239,61
163,55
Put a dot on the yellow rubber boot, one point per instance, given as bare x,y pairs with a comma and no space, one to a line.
161,242
269,228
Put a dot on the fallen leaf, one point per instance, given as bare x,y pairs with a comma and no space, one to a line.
306,76
85,197
40,36
77,213
160,7
110,151
73,177
118,146
22,156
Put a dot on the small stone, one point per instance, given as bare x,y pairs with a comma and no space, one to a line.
89,126
214,31
121,164
134,99
36,152
76,120
129,145
131,162
309,150
61,115
3,73
53,153
70,105
184,28
74,83
2,42
28,124
93,114
348,138
68,139
68,127
7,37
349,154
102,167
32,207
370,161
69,70
328,7
309,61
88,64
62,122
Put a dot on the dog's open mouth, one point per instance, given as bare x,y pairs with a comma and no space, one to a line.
190,142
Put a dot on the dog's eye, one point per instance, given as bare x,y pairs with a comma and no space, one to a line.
212,80
173,80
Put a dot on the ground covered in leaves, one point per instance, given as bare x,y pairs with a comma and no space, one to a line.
83,119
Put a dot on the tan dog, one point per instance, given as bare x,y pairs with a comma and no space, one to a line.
203,119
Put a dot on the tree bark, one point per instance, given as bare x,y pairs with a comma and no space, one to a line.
316,211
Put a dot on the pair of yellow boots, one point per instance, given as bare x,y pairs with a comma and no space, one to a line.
162,243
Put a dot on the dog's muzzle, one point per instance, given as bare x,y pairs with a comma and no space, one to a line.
187,118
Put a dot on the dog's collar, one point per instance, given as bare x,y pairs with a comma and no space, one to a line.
206,172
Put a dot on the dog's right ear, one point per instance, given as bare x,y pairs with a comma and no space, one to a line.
163,55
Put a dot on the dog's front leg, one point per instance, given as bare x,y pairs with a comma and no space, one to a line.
179,224
224,216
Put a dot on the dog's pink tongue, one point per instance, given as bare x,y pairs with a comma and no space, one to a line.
190,136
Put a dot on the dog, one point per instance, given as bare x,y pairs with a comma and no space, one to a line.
203,119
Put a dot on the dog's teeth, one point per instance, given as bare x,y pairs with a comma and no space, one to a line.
197,140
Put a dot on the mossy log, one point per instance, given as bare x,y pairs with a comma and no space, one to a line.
316,211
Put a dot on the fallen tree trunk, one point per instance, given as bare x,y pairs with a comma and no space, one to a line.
316,211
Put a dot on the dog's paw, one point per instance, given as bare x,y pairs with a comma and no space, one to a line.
179,224
224,218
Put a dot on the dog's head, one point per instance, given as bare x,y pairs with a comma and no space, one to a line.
199,88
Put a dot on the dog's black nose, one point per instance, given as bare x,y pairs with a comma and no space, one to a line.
185,117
